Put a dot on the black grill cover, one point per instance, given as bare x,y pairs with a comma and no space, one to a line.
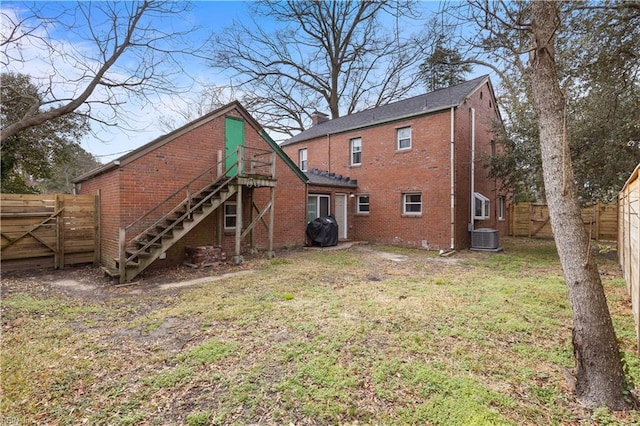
323,231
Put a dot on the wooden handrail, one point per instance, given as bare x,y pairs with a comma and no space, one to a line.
223,178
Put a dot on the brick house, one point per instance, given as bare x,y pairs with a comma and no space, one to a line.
416,164
219,180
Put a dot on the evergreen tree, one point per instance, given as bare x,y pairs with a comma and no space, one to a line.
31,155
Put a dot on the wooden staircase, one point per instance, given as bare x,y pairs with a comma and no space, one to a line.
175,216
155,240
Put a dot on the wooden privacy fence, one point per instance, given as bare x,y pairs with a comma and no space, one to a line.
532,220
629,241
48,230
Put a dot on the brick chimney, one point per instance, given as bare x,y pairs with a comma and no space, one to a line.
318,117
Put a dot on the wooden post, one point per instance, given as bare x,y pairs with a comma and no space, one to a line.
530,218
122,256
272,191
273,165
596,215
240,160
237,258
58,260
252,235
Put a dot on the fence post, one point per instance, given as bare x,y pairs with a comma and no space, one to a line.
597,218
59,253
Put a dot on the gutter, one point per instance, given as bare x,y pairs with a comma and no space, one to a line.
473,167
453,182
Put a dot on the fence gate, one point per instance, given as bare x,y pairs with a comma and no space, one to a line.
40,231
532,220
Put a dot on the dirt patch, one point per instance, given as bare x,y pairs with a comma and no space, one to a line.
90,282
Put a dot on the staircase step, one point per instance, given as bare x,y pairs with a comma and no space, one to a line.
129,264
144,243
158,235
143,254
111,272
175,224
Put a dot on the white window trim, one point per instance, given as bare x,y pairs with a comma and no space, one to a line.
398,138
404,204
302,162
230,203
485,206
351,151
502,207
358,204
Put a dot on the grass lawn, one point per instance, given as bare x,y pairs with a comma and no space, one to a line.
367,335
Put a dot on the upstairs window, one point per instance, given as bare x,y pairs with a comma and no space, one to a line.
362,207
356,151
412,204
403,138
302,159
481,208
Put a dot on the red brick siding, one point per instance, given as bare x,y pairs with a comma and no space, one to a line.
386,174
134,188
107,185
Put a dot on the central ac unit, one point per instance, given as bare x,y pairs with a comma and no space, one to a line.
485,239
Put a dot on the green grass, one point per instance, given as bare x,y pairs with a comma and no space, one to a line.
319,337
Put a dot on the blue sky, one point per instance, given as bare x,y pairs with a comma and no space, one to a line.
111,143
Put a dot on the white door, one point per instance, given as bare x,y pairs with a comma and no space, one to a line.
341,215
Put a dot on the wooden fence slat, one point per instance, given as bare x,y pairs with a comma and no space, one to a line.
42,230
532,220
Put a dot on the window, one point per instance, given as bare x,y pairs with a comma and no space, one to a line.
502,207
230,215
356,151
481,206
302,159
317,206
362,206
412,204
403,137
493,148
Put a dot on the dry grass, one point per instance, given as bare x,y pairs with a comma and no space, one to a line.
369,335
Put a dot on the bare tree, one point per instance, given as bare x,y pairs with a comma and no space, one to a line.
194,105
93,57
519,39
331,56
600,379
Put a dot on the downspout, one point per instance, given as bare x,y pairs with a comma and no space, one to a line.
453,183
473,166
329,152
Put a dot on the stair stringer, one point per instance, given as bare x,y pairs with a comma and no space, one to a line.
172,235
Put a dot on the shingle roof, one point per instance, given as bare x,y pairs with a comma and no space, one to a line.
321,177
417,105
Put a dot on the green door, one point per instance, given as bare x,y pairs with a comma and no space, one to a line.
233,137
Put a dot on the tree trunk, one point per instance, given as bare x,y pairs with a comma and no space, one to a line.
600,379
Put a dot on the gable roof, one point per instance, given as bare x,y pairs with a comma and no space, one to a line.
418,105
162,140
